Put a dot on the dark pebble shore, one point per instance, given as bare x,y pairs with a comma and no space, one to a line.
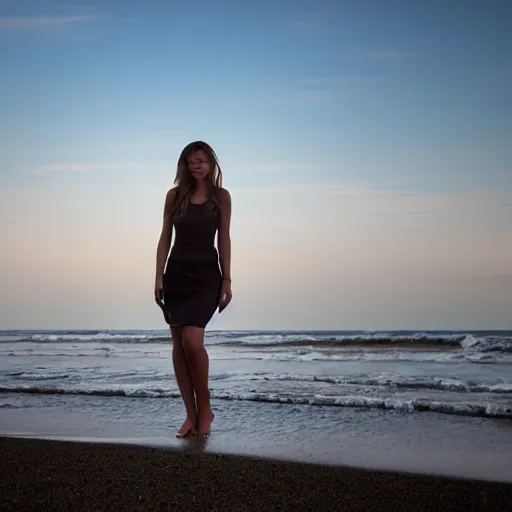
57,475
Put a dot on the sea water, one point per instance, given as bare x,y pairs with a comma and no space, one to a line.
431,401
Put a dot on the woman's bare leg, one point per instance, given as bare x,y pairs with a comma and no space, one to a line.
198,365
184,381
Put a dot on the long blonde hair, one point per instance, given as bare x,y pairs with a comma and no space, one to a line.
185,181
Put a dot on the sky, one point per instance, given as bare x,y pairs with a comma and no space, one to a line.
365,144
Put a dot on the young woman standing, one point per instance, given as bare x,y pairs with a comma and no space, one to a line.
193,284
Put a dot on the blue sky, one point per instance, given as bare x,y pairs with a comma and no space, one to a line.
366,146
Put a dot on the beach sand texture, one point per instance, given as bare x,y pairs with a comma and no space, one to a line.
57,475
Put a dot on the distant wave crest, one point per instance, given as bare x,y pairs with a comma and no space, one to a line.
263,340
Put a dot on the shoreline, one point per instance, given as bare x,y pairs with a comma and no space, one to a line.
69,475
420,443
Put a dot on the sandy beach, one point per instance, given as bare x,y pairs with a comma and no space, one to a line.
58,475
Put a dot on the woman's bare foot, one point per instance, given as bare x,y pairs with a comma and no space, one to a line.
205,421
188,428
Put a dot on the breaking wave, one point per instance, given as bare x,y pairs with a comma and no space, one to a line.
396,381
487,410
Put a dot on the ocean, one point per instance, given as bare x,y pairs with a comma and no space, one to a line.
335,396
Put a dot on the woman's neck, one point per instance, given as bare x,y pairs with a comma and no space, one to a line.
200,188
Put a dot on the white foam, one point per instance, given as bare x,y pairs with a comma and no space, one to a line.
391,380
480,409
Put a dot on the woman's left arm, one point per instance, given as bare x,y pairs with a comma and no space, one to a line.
224,243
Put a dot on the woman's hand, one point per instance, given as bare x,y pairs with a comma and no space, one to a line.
225,295
159,290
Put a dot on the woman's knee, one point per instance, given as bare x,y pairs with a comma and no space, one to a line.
192,338
176,335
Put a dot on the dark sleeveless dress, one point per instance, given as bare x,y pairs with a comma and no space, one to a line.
192,278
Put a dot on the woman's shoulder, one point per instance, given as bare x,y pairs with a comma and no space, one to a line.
223,195
171,194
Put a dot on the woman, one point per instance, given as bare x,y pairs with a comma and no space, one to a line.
193,285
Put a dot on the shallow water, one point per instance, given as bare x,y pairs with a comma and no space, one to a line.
451,373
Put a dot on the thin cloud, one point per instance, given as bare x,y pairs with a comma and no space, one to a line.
310,25
362,191
500,205
313,21
411,212
321,89
383,55
81,167
148,146
329,190
339,80
288,166
311,97
279,189
33,22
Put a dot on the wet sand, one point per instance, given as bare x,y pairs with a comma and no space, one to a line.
61,475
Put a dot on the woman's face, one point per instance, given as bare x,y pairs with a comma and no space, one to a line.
198,164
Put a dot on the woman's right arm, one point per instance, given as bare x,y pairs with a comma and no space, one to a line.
164,243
